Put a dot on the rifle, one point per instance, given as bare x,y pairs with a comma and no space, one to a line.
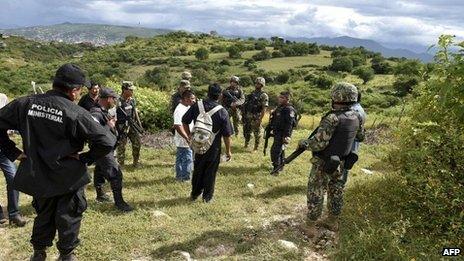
268,133
293,156
132,123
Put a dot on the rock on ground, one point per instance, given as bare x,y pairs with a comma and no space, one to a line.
287,245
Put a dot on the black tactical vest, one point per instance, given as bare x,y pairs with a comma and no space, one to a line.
253,103
230,96
343,136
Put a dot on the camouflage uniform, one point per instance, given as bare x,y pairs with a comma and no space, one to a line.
335,135
233,95
255,104
125,110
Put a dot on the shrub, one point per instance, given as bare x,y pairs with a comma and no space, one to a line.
405,84
234,52
153,107
365,73
261,56
282,77
343,64
202,54
159,76
277,54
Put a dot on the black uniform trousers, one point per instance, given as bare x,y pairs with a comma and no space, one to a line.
277,151
107,168
62,213
205,168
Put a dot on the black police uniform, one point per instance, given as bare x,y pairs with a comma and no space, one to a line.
87,102
283,122
107,166
206,165
53,131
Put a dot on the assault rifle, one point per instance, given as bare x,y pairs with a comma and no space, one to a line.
268,132
293,156
135,125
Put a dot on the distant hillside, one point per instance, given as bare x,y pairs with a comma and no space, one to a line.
368,44
74,33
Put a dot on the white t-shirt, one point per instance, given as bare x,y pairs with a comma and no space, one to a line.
3,100
178,114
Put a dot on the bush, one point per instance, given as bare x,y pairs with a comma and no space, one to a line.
153,107
365,73
159,76
282,78
260,45
234,52
408,67
202,54
261,56
246,81
405,84
380,66
277,54
342,64
322,81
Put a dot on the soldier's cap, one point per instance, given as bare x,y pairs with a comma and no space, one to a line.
186,75
185,83
128,85
70,76
261,81
234,79
214,90
107,92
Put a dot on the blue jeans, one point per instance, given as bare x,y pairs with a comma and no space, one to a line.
9,170
184,163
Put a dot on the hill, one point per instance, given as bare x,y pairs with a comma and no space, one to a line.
98,34
371,45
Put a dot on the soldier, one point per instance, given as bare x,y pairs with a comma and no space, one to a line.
184,85
53,131
107,167
126,112
331,146
283,122
232,99
255,108
90,99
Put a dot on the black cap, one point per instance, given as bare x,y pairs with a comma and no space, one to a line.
214,90
107,92
70,76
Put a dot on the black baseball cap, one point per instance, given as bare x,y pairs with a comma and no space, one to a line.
107,92
70,76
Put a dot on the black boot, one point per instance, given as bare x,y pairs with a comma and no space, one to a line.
39,255
116,186
67,257
101,195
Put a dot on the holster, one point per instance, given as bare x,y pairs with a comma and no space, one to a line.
331,164
350,160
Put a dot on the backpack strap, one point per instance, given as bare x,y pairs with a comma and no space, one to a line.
201,108
214,110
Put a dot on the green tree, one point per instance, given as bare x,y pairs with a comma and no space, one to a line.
202,54
408,67
365,73
343,64
159,76
234,52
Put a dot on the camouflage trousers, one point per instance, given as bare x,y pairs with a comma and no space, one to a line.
319,183
236,118
252,124
135,141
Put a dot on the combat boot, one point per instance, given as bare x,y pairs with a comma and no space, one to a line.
101,195
120,203
18,221
309,229
39,255
67,257
331,223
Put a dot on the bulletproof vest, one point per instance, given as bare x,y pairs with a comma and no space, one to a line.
233,95
343,136
253,104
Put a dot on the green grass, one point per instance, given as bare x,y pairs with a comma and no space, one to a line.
285,63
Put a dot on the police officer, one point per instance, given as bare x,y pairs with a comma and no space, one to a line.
232,99
90,99
283,121
107,167
176,98
53,131
331,145
255,108
127,109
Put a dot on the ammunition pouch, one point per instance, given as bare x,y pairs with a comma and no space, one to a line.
350,160
331,164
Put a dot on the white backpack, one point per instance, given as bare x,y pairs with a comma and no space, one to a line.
202,133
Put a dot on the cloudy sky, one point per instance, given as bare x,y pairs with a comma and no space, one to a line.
392,22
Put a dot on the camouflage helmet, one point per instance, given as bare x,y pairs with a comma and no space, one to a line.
234,79
186,75
261,81
128,85
344,92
